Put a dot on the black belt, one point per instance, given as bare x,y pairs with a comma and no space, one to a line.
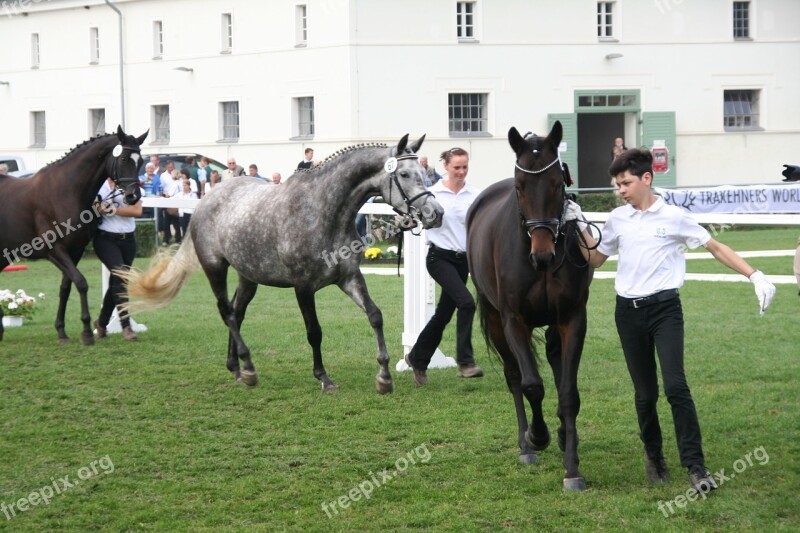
460,256
117,236
661,296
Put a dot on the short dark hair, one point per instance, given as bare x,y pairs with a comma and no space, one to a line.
254,167
308,150
637,161
185,172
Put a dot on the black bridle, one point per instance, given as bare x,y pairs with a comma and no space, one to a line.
532,224
412,212
115,171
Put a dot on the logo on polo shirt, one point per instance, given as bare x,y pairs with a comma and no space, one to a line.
661,233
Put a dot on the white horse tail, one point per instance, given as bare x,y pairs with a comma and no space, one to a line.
156,287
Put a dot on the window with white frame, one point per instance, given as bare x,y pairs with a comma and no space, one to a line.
158,39
465,20
467,113
159,123
38,129
227,33
94,45
741,109
301,24
303,111
741,20
605,20
97,122
229,112
34,50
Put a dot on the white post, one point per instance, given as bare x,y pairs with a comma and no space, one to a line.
419,299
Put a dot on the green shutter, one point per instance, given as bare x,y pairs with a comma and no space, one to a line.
569,122
661,126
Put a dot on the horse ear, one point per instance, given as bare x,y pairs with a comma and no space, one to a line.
120,133
140,139
516,141
401,146
556,133
417,145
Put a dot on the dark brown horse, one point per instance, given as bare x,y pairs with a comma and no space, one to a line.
53,214
529,272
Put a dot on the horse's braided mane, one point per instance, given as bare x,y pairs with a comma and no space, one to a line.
342,151
84,143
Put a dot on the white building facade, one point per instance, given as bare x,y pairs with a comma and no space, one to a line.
715,82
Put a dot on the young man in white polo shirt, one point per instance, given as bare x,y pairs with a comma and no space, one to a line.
650,238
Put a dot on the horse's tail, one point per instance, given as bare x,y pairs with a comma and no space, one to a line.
156,287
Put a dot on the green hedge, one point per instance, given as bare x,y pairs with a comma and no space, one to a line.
598,202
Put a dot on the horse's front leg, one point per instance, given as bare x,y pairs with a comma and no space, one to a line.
61,259
356,288
571,337
308,308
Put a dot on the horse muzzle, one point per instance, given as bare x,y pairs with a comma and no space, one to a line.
431,214
133,193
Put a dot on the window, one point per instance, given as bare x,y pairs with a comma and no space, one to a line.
227,33
38,130
97,122
741,110
605,20
158,39
160,124
465,20
467,113
301,25
303,116
94,46
34,50
230,121
741,20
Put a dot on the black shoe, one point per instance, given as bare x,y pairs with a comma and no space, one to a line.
701,479
420,377
656,468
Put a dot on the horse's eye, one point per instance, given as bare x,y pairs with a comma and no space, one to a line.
404,174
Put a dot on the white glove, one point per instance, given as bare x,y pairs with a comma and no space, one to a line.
573,212
765,290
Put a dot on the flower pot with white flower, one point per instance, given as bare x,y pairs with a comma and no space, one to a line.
17,306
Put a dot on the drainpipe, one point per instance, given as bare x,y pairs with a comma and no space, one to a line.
121,74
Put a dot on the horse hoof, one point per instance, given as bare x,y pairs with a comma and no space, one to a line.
528,458
330,387
574,484
87,340
248,377
537,445
384,386
63,340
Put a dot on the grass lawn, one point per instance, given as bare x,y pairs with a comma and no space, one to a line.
155,436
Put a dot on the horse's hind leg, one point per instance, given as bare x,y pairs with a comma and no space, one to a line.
308,307
244,294
356,288
63,297
218,279
68,265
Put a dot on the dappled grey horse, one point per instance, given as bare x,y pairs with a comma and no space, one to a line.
298,234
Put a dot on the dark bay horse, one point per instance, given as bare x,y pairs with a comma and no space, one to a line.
53,214
529,272
298,234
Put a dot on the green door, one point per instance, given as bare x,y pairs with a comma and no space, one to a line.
569,122
658,128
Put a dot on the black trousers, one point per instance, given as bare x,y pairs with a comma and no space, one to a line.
114,254
643,332
185,219
451,273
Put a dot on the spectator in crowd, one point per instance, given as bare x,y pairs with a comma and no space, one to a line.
431,176
3,169
115,245
165,186
202,174
618,148
276,178
212,182
191,166
253,172
157,164
233,170
147,180
308,160
185,213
